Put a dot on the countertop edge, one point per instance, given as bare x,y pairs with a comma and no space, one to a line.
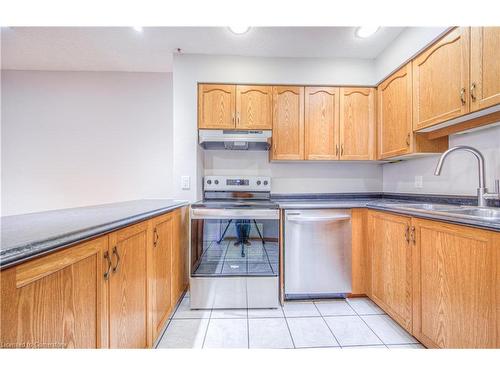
45,247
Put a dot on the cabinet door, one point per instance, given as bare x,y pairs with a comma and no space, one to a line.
162,272
441,80
288,123
485,67
180,252
55,301
390,249
216,106
128,287
457,286
321,123
254,107
357,123
394,114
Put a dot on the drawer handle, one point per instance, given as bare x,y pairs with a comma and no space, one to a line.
311,219
108,258
115,253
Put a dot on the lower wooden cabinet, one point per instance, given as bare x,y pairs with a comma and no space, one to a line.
391,270
456,283
55,301
116,291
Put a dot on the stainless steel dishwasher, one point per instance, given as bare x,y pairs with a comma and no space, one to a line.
317,253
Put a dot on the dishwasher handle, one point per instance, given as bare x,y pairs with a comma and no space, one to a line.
315,219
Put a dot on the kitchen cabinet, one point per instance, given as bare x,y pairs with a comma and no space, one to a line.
234,107
361,258
456,282
180,241
484,67
441,80
391,258
288,123
396,138
357,123
216,106
56,301
161,288
127,287
321,123
254,107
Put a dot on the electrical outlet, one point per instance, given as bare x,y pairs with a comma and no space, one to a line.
185,183
419,182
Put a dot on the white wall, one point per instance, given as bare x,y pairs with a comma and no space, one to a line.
190,160
459,175
78,138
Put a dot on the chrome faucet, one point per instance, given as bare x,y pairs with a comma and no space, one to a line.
482,192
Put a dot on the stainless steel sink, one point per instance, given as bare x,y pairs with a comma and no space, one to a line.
425,206
492,214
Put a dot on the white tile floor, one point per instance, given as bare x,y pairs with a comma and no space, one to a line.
352,324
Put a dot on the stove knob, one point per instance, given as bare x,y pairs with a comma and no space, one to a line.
266,182
258,182
209,182
216,182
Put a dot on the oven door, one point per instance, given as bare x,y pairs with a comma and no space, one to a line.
234,258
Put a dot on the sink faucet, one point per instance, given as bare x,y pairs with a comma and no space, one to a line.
482,192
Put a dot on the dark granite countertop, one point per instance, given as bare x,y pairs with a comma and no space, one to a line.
389,202
29,235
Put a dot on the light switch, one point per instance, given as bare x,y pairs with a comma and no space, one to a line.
185,183
419,182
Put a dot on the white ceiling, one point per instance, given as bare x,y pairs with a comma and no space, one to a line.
123,49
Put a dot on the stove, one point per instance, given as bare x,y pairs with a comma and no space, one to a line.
234,258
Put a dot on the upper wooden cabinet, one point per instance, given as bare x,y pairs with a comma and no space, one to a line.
55,301
288,123
394,114
441,80
390,249
216,106
322,123
254,107
484,67
234,107
456,281
128,289
357,123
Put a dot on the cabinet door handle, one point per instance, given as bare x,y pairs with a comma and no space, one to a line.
473,91
342,150
117,256
156,237
408,139
336,150
233,119
237,118
462,95
108,258
407,234
412,236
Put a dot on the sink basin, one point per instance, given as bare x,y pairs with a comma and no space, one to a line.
426,206
482,213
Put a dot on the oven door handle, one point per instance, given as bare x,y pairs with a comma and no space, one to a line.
315,219
208,213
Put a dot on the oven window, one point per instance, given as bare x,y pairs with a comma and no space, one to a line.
234,247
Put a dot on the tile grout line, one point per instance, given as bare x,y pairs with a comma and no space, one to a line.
324,320
206,330
370,328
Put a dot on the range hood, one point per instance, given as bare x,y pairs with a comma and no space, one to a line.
251,140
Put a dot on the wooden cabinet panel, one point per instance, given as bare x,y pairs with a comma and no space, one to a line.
180,250
484,67
128,299
162,272
361,258
254,107
357,123
391,265
55,301
288,123
321,123
441,80
394,114
457,286
216,106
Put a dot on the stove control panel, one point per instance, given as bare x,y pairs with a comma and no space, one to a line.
236,183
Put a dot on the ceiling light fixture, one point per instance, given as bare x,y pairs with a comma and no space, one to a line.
239,29
366,31
137,28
